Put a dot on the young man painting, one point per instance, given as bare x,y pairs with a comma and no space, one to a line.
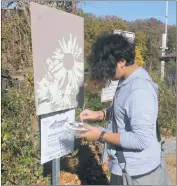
135,111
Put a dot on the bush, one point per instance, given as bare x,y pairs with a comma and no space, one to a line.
93,101
167,109
19,140
167,106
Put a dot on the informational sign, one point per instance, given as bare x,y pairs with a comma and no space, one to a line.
108,92
58,58
57,139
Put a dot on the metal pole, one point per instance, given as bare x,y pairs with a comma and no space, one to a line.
164,43
104,155
163,62
56,171
166,17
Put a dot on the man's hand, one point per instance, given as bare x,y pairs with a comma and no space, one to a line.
93,133
89,115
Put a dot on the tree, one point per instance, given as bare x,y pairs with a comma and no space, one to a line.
68,6
139,59
91,31
171,40
141,42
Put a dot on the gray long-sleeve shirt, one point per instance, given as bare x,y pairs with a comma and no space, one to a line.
135,112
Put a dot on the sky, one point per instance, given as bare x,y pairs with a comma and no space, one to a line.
132,10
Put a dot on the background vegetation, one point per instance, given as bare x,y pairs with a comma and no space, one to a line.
20,133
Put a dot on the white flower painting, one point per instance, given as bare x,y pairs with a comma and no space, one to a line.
58,58
63,78
66,62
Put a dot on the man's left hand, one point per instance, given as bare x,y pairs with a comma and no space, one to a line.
93,133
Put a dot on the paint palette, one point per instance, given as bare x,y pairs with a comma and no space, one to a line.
77,126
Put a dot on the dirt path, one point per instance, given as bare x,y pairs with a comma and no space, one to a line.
171,165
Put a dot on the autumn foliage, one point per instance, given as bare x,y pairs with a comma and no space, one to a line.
139,59
20,133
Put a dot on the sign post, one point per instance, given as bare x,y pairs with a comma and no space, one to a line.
56,171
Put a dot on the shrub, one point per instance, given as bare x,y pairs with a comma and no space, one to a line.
167,105
19,140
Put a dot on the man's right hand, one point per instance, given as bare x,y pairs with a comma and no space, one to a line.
89,115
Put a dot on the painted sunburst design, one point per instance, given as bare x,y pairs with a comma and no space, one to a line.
64,76
66,67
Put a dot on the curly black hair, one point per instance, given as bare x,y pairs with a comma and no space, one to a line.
107,50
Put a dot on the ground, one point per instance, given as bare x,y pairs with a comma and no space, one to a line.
83,167
171,165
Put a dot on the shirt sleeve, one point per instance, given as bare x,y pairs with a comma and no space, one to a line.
141,108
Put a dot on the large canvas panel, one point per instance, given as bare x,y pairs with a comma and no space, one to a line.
58,58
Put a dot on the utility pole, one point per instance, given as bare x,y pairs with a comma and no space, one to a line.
164,43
